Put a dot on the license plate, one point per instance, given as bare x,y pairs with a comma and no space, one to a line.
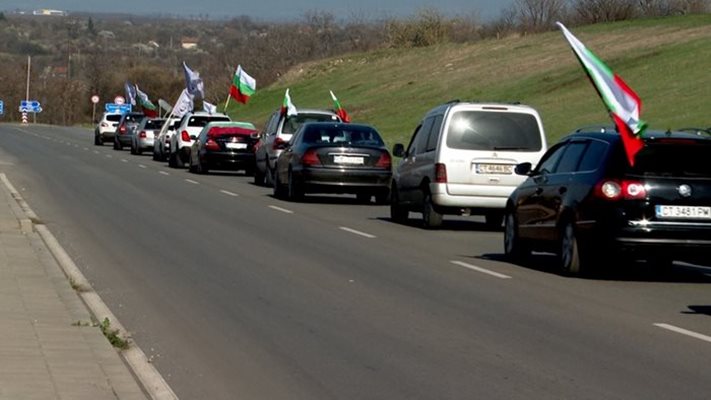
238,146
494,169
683,212
348,160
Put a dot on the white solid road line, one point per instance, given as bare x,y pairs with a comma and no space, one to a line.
229,193
192,181
480,269
284,210
683,331
163,173
355,232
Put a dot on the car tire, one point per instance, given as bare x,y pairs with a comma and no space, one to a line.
295,190
139,151
258,177
201,168
398,213
171,160
431,219
133,150
268,174
514,247
494,219
117,145
382,197
98,141
278,188
192,167
569,257
364,197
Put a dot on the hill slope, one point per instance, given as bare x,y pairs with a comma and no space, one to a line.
665,60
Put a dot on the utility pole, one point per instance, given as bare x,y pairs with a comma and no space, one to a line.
29,63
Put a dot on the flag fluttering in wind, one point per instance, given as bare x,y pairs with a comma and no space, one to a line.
340,111
184,104
287,107
243,86
209,107
149,109
130,93
193,82
621,101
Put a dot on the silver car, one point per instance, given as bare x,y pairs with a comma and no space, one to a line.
145,134
161,142
277,132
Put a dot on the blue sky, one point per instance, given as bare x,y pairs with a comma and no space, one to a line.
267,9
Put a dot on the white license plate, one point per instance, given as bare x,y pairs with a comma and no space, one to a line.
348,160
494,169
238,146
683,212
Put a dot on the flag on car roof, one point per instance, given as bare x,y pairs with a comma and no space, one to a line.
621,101
130,93
193,82
149,109
209,107
243,86
184,104
340,111
288,108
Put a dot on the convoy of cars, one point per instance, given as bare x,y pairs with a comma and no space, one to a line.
579,199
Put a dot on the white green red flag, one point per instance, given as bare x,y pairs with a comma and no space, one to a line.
340,111
621,101
243,86
149,109
287,107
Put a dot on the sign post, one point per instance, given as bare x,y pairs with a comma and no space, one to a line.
94,100
2,107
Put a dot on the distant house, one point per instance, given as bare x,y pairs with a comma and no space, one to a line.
48,12
154,44
189,43
107,35
59,71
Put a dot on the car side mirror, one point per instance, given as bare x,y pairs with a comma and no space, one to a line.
193,137
255,135
399,150
523,168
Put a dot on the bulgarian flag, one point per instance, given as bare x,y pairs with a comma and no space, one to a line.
287,107
243,86
621,101
340,111
149,109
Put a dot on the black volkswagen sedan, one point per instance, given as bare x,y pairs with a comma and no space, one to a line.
330,157
585,202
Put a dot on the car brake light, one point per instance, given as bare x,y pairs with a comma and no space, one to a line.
211,144
310,158
104,125
615,190
384,161
279,144
185,136
122,129
440,173
142,135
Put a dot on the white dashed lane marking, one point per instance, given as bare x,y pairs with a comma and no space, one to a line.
163,173
141,166
356,232
229,193
124,160
480,269
284,210
683,331
192,181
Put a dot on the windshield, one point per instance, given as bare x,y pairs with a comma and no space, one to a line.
113,117
293,123
676,158
486,130
342,135
201,121
154,123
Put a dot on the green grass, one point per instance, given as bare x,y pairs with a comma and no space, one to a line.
666,60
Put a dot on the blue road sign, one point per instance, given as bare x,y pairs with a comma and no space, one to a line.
2,107
33,106
117,108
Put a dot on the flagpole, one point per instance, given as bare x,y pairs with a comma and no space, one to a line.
227,102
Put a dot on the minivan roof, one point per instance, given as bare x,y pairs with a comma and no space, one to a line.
493,106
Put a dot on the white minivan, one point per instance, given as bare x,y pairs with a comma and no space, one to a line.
461,160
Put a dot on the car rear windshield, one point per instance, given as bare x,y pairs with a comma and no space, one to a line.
202,121
230,130
155,123
674,158
486,130
293,123
113,117
343,135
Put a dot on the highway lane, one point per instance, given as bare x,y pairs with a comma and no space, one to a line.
238,298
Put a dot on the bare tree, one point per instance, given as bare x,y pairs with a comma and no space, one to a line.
538,15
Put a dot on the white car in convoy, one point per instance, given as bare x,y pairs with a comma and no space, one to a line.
161,142
189,127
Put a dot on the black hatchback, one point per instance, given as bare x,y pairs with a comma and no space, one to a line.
585,203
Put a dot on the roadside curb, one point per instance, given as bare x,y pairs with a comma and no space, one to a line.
149,377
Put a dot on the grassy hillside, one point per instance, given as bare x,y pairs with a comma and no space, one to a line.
667,61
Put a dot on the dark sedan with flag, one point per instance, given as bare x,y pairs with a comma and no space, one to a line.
332,157
224,146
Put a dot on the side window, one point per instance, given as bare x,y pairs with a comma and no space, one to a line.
433,137
424,135
550,159
594,156
271,127
412,147
570,159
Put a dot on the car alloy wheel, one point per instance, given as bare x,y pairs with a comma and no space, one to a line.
296,193
430,217
513,245
570,261
398,213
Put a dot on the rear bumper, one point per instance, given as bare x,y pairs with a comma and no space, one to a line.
124,139
228,160
146,143
476,197
324,180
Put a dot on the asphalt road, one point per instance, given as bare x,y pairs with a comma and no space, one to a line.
237,295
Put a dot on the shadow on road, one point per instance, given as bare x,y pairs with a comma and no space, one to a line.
458,225
698,310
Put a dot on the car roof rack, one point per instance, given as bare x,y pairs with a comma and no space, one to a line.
698,131
597,128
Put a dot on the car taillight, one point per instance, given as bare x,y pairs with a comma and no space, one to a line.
142,134
211,144
310,158
440,173
185,136
122,129
384,161
104,125
626,189
279,144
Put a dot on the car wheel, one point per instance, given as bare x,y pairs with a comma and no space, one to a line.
398,213
258,177
202,168
171,160
278,188
382,197
192,167
514,247
268,174
494,219
139,151
117,145
569,257
98,141
296,192
431,219
363,197
133,149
